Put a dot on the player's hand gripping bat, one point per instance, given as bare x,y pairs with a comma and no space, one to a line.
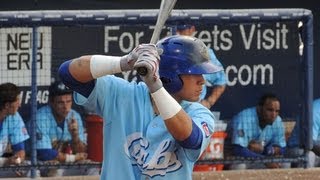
164,12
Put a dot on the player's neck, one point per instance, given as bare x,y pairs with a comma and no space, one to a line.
58,118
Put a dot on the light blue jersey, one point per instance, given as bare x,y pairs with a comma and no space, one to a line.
49,131
294,139
215,79
13,131
316,121
246,128
136,143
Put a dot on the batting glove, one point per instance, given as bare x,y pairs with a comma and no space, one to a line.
127,61
149,59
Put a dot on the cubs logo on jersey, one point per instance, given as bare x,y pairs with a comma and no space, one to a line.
152,163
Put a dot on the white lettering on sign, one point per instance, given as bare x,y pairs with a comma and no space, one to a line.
250,36
267,38
16,55
126,41
246,75
42,97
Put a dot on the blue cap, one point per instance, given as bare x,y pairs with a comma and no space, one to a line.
58,89
181,27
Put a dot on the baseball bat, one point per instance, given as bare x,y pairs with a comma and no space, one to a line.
164,12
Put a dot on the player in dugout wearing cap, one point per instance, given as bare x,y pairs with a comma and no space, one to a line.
155,128
60,133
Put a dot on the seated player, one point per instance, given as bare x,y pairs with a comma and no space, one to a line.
60,132
258,132
13,132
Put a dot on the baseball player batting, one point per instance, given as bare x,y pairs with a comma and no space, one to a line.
162,131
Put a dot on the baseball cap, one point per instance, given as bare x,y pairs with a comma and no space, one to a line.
58,88
183,26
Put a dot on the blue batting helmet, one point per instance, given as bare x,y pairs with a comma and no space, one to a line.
182,55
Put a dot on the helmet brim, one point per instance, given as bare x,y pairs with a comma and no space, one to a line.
203,68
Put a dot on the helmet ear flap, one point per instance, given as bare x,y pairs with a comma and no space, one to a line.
165,80
172,85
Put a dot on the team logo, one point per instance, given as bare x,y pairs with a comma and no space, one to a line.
24,131
205,129
152,163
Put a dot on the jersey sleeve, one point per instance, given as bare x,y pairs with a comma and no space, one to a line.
239,136
218,78
279,133
43,131
19,131
294,138
111,93
213,58
316,121
204,119
103,92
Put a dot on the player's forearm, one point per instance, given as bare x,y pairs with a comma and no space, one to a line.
215,94
87,68
61,157
77,145
179,126
17,158
20,154
176,119
245,152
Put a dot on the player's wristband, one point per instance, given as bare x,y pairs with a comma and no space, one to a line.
167,106
70,158
101,65
2,161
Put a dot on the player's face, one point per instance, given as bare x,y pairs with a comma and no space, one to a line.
192,88
61,105
14,106
269,111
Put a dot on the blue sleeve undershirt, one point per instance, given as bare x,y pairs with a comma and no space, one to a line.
18,147
47,154
194,140
245,152
84,89
268,151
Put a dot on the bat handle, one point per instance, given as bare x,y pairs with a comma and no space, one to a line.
142,71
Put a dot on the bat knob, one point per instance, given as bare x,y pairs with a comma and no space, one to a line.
142,71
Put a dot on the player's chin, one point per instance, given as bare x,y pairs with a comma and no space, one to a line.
194,98
65,114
